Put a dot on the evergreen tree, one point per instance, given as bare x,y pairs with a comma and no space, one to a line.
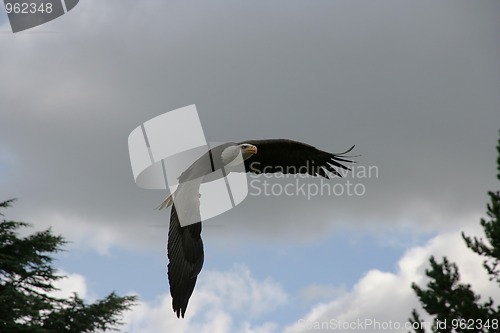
26,279
454,305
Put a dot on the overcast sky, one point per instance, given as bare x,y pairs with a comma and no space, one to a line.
414,85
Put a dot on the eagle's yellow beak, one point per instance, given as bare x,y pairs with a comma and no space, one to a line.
252,150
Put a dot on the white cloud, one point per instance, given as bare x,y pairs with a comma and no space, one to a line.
70,284
385,297
318,292
239,291
219,298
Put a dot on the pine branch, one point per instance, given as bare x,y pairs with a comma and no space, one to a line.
26,278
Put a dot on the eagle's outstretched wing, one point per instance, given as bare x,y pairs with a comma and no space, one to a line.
185,255
291,157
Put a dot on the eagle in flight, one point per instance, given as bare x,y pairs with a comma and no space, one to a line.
185,246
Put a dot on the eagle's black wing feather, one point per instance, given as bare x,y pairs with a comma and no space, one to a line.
290,157
185,254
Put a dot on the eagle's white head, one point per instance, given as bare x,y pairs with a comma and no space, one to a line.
229,154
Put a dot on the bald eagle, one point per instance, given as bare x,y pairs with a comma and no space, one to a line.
185,246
